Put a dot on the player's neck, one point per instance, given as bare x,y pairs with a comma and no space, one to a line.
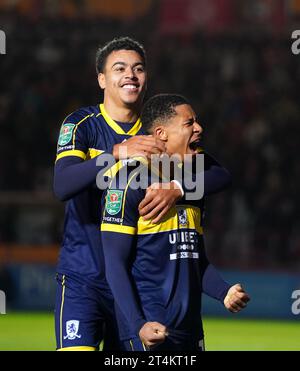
122,114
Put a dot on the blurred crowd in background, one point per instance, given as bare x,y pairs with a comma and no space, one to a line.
243,81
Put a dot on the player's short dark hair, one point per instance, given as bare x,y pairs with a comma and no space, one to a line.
159,109
119,43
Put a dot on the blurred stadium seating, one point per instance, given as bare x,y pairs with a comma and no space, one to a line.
231,58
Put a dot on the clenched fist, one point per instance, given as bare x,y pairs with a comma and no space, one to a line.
236,298
153,333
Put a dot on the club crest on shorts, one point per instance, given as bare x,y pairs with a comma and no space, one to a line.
182,217
113,201
72,328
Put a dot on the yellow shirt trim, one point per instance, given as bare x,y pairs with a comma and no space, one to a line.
85,348
125,192
112,171
86,117
93,152
170,222
74,152
117,128
117,228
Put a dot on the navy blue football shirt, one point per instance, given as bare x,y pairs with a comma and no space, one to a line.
86,134
157,272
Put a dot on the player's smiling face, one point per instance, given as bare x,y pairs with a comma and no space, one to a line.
181,133
124,77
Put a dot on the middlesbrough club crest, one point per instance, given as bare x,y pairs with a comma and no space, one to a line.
72,328
182,216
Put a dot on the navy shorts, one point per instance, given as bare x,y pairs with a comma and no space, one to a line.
84,317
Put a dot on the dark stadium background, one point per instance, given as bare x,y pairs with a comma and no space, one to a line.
233,60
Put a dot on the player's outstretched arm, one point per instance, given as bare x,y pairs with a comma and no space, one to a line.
213,284
236,298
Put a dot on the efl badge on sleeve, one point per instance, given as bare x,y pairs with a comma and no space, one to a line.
113,202
65,134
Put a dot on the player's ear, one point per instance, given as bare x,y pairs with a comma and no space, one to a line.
101,80
161,133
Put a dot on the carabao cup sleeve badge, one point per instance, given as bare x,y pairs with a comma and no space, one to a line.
65,134
113,202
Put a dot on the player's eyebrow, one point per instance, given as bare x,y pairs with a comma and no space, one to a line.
125,64
190,121
138,64
122,63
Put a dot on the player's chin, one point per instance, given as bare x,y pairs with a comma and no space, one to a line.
131,94
131,99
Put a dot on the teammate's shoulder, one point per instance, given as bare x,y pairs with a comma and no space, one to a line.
81,114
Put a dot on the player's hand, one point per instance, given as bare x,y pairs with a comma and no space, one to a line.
153,333
236,298
158,201
140,145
